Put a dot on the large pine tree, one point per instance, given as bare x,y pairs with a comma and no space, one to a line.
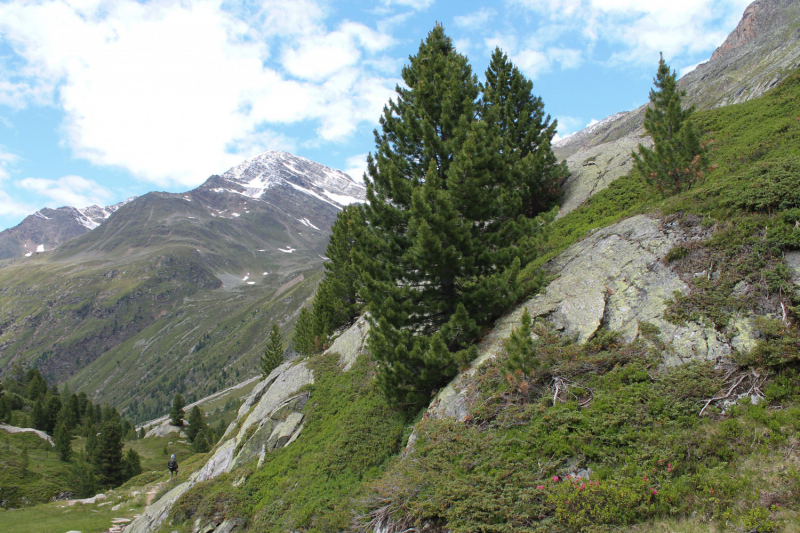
678,158
446,229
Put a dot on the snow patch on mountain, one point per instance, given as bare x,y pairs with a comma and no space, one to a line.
272,169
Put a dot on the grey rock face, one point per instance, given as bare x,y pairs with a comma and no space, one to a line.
268,420
350,344
615,278
594,168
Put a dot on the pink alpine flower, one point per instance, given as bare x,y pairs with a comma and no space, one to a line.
555,478
540,487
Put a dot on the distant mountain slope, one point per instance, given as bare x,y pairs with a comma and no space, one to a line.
47,228
175,292
764,47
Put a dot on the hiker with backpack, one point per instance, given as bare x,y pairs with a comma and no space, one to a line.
173,466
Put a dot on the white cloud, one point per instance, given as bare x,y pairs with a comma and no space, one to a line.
532,58
592,122
7,159
10,207
475,20
170,89
567,126
643,28
68,190
356,167
413,4
686,70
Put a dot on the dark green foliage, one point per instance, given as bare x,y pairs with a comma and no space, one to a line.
83,479
63,442
39,416
447,231
678,158
197,424
5,409
91,442
522,360
525,133
37,387
141,432
304,337
273,354
132,466
176,413
769,186
108,455
200,444
337,302
51,410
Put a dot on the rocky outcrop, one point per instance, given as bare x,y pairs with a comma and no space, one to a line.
594,168
271,418
615,278
41,434
350,344
268,420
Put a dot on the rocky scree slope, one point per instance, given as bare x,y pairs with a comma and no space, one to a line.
174,290
756,56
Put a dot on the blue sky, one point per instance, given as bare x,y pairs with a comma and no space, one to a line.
104,99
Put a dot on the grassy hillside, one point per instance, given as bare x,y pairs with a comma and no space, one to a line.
630,427
172,294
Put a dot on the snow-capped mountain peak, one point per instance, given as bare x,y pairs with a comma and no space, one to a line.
264,171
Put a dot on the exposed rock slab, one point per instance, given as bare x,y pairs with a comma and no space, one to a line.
277,396
350,344
615,278
594,168
14,429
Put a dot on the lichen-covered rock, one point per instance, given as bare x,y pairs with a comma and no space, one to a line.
350,344
157,512
594,168
285,385
615,278
277,396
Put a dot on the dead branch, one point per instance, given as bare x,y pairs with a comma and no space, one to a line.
722,397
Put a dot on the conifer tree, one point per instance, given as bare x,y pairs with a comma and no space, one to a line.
678,157
200,444
52,409
91,442
38,416
197,423
446,233
108,456
273,354
5,409
525,133
83,479
132,465
63,441
176,413
337,302
304,336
